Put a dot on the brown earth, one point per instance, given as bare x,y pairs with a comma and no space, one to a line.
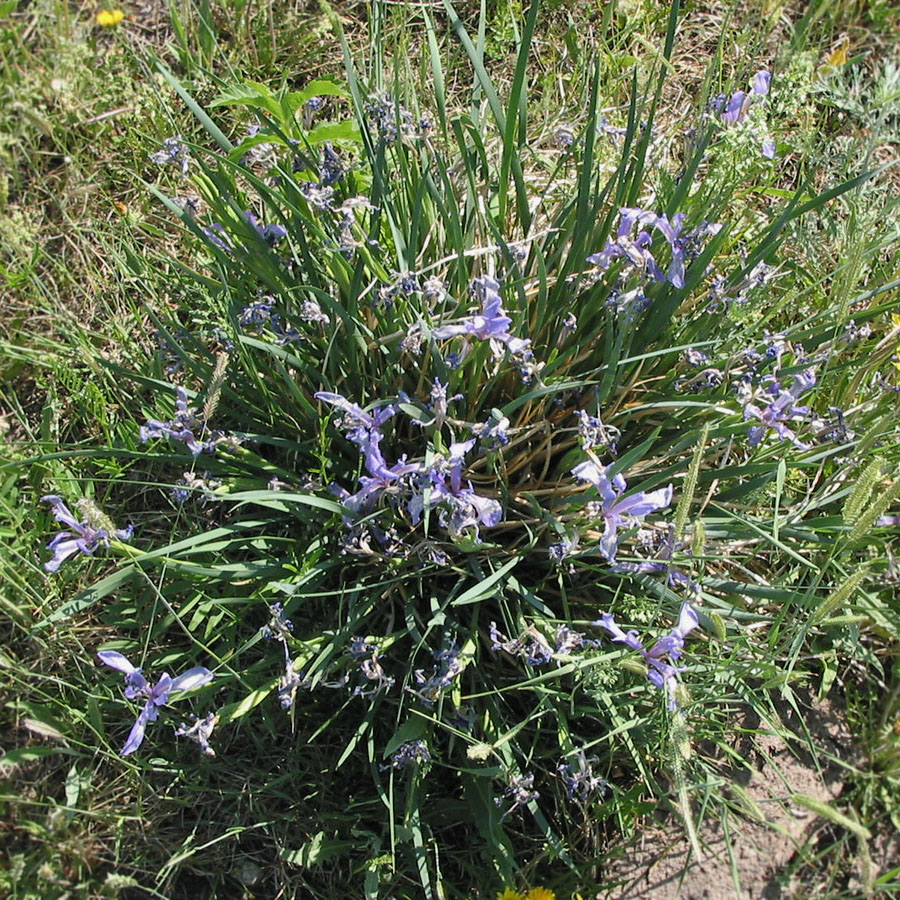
743,858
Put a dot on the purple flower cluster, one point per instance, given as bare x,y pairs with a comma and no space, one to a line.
200,731
616,510
202,487
185,426
774,405
364,430
592,433
368,656
459,507
519,792
633,240
440,484
534,648
579,779
660,671
260,317
84,536
174,152
392,121
735,109
493,433
280,628
412,753
331,169
156,695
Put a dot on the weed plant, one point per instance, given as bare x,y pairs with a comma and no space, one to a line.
484,478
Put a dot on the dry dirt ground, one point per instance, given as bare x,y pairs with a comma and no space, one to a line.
745,859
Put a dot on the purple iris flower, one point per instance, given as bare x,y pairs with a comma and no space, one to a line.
355,421
494,432
439,404
157,695
661,564
735,108
635,249
185,427
364,429
461,508
381,476
761,82
449,667
492,324
661,672
271,234
618,511
782,408
671,231
83,538
174,152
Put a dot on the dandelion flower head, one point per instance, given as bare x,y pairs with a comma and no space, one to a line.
540,893
109,18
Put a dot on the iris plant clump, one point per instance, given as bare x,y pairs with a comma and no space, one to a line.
454,453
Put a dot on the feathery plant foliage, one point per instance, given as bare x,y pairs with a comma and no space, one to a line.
439,401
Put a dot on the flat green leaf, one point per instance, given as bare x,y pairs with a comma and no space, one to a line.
334,131
29,754
487,586
317,88
317,850
253,95
411,730
234,711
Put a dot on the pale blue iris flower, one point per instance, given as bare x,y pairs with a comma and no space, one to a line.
83,538
661,672
618,511
157,695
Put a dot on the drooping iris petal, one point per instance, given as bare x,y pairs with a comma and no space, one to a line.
61,512
136,735
761,82
63,546
192,679
645,502
117,661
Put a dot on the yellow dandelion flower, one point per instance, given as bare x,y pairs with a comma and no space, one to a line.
539,894
108,18
509,894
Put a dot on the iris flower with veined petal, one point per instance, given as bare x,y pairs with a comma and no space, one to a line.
660,672
157,695
83,538
492,324
782,408
461,507
618,511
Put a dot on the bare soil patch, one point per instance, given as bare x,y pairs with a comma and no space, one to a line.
744,859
